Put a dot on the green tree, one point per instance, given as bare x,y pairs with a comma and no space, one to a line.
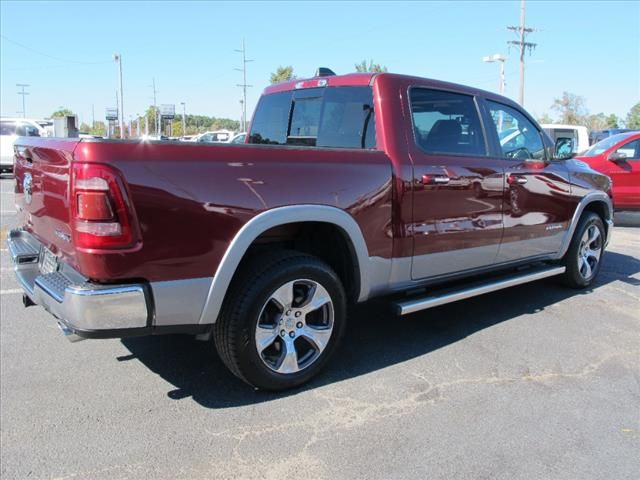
545,118
596,122
61,112
282,74
633,117
571,108
613,121
362,67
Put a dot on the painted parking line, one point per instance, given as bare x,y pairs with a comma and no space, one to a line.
10,291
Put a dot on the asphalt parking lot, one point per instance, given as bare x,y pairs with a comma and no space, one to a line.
535,382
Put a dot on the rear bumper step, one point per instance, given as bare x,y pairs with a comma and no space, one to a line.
479,288
83,308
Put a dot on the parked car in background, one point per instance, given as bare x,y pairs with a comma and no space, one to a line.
597,135
217,136
239,138
10,129
577,133
618,157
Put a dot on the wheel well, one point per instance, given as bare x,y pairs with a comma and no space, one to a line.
323,240
600,209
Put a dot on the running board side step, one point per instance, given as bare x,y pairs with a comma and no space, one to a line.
478,288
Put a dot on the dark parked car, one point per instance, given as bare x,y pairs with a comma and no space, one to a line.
596,136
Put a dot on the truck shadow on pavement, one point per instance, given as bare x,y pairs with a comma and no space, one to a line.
375,339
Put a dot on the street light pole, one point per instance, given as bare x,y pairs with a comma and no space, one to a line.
184,119
498,57
118,58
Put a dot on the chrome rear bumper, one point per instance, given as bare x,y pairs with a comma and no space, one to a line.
83,308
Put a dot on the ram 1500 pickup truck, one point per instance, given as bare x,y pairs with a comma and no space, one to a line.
348,187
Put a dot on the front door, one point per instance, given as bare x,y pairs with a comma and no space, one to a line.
625,174
537,204
458,189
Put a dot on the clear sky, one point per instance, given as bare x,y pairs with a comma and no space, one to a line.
64,49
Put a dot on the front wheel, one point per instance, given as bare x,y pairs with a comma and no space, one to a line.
584,256
282,321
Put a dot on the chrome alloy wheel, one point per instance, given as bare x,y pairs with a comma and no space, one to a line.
294,326
589,252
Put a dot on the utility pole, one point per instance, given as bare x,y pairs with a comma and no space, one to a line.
118,58
23,93
93,117
244,84
184,119
155,106
522,44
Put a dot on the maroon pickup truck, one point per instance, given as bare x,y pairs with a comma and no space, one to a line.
349,187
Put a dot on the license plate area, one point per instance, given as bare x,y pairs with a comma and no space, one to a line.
48,262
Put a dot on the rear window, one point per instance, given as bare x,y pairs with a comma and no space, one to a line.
340,117
7,128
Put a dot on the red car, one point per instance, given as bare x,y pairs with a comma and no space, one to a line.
619,157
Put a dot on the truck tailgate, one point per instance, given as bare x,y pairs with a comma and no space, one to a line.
42,174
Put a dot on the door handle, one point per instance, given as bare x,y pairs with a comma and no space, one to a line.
435,179
516,179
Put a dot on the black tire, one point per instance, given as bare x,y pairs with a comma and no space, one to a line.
573,276
258,279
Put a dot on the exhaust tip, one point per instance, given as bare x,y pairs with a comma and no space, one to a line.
69,334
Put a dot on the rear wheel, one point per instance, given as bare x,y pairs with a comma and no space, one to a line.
584,257
282,321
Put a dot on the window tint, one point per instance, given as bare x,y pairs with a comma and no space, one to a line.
631,150
305,120
518,137
333,117
446,122
7,128
271,119
348,119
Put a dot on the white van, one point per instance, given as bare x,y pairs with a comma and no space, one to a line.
578,133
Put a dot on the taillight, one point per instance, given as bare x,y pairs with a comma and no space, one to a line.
101,214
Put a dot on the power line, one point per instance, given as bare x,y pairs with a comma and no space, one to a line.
23,93
522,31
244,85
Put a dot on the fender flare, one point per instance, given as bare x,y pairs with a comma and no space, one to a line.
592,197
273,218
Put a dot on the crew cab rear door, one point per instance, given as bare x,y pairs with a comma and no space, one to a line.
537,203
457,187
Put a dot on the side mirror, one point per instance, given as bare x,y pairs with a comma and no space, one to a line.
564,148
617,157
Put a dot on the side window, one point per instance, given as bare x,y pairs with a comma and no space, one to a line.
31,131
271,120
631,150
518,137
446,122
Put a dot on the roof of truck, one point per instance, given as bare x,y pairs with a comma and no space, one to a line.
364,79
